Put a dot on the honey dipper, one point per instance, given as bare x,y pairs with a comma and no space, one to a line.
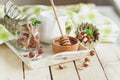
64,40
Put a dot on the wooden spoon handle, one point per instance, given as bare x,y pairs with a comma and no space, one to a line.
54,10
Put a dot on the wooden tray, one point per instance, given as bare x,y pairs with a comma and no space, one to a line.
48,57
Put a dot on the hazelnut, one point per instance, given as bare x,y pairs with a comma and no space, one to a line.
29,46
31,54
86,64
82,33
88,37
19,42
33,41
61,67
80,36
90,40
92,53
33,46
40,51
85,35
25,34
85,39
37,37
87,59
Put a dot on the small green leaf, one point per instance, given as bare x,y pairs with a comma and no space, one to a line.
35,21
89,32
86,30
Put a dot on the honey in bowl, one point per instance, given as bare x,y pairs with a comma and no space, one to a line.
57,47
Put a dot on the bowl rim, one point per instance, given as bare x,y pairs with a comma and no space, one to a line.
56,39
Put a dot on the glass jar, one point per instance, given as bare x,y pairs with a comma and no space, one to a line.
28,40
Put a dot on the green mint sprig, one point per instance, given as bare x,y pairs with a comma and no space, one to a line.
35,21
89,32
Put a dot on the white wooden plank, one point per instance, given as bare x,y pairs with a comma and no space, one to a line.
3,64
117,49
68,73
10,65
93,72
110,60
37,74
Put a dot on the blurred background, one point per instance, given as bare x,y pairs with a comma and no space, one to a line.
58,2
114,3
108,8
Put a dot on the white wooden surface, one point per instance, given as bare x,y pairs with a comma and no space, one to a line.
68,73
105,65
10,65
92,70
110,60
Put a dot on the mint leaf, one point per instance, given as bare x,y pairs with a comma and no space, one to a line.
89,32
35,21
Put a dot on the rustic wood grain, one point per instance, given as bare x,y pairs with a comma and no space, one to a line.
67,73
93,72
10,65
109,60
37,74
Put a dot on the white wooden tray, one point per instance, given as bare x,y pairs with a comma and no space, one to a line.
48,57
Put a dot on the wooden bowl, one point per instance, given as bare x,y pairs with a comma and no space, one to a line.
58,48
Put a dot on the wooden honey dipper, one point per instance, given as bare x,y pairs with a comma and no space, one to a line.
64,40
